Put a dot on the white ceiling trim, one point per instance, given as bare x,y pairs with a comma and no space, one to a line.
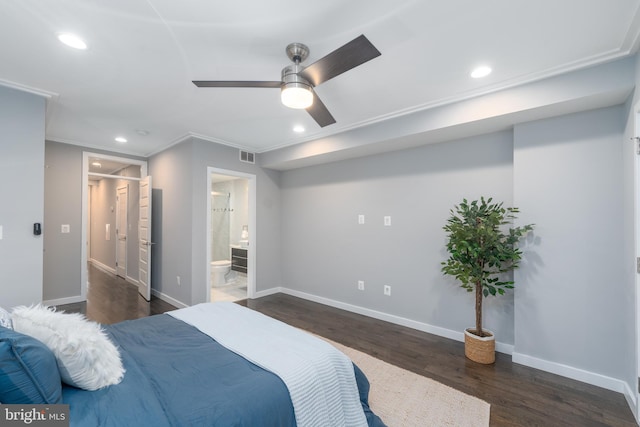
632,40
93,147
611,55
29,89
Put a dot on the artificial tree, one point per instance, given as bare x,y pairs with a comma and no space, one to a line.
481,250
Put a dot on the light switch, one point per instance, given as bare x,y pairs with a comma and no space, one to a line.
0,232
387,221
64,228
360,219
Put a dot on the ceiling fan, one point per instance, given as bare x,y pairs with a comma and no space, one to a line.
297,81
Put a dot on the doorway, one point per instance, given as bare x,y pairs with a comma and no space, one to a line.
109,170
231,235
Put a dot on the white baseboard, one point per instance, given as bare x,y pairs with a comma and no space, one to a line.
167,298
632,401
402,321
578,374
63,301
102,266
267,292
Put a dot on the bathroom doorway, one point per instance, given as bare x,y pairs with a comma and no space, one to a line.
231,235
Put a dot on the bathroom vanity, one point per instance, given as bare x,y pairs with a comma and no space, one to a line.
239,259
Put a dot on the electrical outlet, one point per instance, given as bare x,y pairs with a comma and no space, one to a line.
361,285
387,290
360,219
178,280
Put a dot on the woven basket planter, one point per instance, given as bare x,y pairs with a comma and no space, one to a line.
480,349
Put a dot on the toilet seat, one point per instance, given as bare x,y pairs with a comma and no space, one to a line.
222,263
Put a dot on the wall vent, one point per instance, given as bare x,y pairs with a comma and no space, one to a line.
247,157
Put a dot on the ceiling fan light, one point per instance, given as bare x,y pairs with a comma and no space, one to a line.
296,95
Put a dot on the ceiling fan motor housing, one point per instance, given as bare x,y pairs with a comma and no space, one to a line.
295,91
290,77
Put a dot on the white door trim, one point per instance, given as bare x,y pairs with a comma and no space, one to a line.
251,253
636,222
84,275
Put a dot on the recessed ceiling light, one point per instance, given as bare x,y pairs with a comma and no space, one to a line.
121,139
479,72
298,129
142,132
96,164
72,40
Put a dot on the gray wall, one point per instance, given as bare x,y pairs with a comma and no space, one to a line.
171,223
63,205
103,212
180,218
326,251
566,174
572,306
22,120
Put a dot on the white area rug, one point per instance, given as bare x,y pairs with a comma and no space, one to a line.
404,399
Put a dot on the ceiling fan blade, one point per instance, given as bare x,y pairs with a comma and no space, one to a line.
239,83
320,113
356,52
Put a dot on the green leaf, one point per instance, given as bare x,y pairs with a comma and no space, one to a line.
482,245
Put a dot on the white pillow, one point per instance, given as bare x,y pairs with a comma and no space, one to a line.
5,319
86,357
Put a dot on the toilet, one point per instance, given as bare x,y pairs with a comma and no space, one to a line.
219,269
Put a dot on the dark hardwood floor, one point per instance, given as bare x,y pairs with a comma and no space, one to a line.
519,396
111,299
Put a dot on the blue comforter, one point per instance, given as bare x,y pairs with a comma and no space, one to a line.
178,376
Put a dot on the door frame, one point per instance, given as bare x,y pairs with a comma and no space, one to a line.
251,252
635,388
84,273
636,218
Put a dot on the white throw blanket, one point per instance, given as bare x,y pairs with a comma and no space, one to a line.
320,379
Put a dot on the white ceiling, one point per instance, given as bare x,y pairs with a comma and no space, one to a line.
143,54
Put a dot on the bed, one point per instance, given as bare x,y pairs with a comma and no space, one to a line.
178,375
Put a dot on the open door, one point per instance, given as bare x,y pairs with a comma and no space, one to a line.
144,224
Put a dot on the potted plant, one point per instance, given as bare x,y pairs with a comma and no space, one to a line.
482,247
